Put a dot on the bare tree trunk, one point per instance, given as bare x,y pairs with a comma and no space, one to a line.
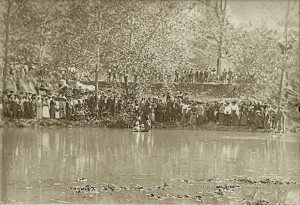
220,10
6,44
98,56
6,50
219,60
130,44
285,57
96,73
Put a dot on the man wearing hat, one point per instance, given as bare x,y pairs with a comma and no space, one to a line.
251,115
52,107
235,113
221,113
227,113
14,106
258,119
62,107
22,105
69,105
31,106
200,112
26,106
230,74
205,75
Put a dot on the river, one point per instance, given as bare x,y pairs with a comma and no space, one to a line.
39,165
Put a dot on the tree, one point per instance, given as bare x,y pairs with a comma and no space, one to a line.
214,36
6,42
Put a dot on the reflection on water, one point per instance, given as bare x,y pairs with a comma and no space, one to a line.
38,164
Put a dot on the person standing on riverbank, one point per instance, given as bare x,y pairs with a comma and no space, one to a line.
244,116
227,112
57,110
52,108
221,113
46,113
39,108
235,113
184,112
258,120
230,75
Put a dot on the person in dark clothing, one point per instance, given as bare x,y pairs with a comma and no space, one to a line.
52,108
92,104
109,72
114,75
258,120
191,76
180,95
206,76
135,77
230,76
158,112
201,76
209,112
168,97
197,76
21,111
26,108
176,76
125,77
68,110
31,108
119,105
169,110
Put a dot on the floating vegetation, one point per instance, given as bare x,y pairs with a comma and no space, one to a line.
178,196
263,181
216,187
115,188
262,202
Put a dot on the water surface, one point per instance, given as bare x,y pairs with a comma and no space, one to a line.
38,165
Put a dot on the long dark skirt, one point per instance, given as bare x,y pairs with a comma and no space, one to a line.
52,112
235,120
227,120
221,118
244,119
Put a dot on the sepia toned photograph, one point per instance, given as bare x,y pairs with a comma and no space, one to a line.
150,102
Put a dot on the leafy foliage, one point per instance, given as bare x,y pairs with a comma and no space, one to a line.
147,38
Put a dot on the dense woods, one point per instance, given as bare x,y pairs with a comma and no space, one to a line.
161,36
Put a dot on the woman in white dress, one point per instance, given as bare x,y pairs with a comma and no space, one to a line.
39,108
46,112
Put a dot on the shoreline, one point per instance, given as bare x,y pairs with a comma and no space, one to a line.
120,124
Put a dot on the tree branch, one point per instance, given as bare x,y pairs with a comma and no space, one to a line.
80,49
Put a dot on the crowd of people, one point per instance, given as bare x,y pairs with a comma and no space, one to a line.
208,75
148,111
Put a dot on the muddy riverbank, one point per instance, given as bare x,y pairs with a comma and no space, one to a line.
119,123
